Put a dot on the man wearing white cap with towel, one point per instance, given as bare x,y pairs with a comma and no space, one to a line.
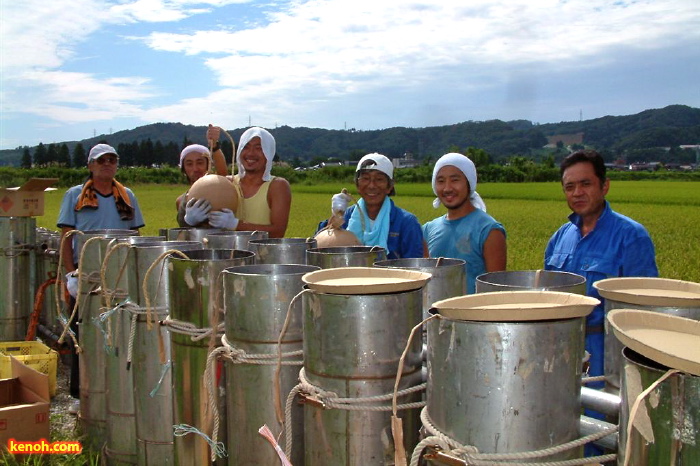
466,232
375,219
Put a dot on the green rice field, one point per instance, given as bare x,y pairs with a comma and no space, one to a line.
530,213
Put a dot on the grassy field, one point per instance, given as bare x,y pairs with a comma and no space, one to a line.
530,212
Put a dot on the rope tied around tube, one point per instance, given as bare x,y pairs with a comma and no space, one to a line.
183,327
331,400
147,275
136,311
471,455
237,356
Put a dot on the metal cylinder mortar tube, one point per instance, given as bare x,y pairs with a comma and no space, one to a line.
17,239
448,277
144,239
122,442
257,300
352,347
93,247
120,447
196,297
281,250
190,234
666,428
150,358
506,387
613,347
233,239
46,255
345,256
518,280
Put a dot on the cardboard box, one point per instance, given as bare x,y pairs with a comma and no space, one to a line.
26,200
24,405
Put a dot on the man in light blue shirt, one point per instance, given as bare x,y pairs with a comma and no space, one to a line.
99,203
466,232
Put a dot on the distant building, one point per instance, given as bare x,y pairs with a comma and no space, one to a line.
407,161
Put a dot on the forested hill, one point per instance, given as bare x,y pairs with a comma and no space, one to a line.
614,135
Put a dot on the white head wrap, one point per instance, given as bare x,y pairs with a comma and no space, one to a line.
467,167
198,148
268,147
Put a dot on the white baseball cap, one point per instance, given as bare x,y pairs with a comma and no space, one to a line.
375,161
99,150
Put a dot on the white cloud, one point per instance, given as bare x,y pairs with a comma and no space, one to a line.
328,49
308,57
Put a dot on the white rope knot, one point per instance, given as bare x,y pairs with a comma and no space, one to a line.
188,328
239,356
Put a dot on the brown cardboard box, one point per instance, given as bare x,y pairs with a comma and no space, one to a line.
26,200
24,405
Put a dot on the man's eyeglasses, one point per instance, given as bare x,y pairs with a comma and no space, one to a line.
380,180
111,160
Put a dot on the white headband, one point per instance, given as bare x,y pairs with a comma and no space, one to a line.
467,167
267,141
198,148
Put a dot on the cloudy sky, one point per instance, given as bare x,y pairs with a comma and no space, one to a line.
71,69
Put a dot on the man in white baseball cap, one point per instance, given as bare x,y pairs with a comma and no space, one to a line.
100,203
375,219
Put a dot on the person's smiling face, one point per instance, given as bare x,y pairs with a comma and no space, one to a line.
452,187
374,186
252,156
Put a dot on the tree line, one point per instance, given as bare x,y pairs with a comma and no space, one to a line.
145,153
516,169
652,135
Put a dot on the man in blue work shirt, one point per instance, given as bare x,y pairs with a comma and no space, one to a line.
597,242
375,219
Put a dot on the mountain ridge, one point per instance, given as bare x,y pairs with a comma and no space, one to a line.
670,126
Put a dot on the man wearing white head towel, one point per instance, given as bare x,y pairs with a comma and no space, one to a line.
466,232
194,164
266,198
375,219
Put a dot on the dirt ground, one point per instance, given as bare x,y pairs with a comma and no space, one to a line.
64,426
